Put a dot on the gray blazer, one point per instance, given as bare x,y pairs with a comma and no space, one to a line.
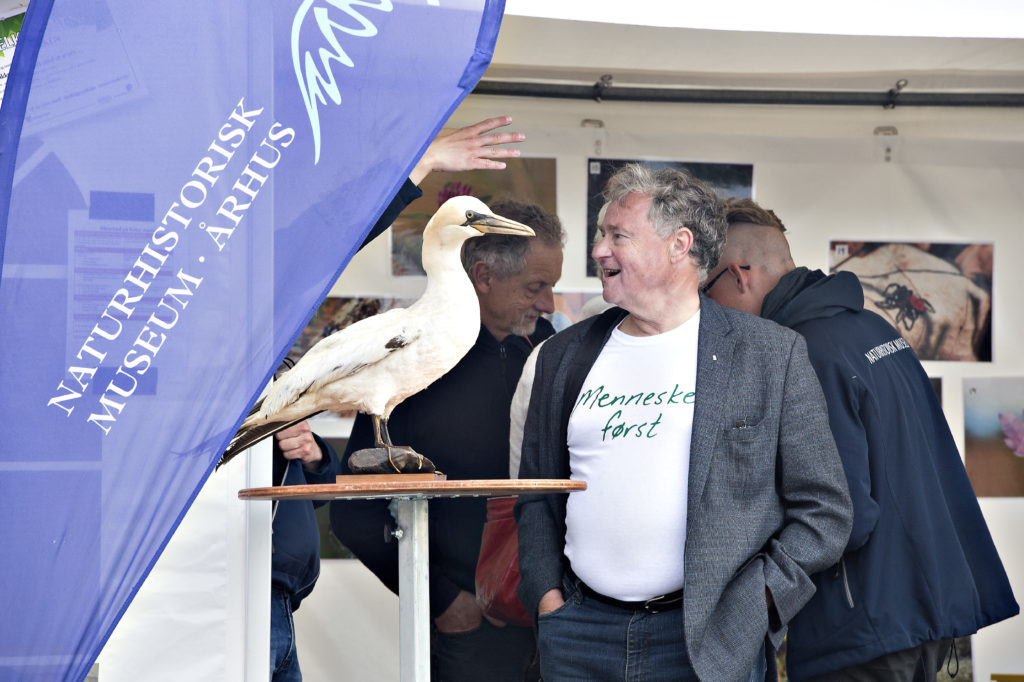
768,503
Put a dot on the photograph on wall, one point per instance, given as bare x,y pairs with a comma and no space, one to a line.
338,312
727,179
938,295
937,387
994,435
573,306
531,180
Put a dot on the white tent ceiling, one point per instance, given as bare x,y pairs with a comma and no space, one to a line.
936,45
534,49
538,44
922,18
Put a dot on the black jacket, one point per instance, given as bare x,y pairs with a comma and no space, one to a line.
920,564
295,561
461,423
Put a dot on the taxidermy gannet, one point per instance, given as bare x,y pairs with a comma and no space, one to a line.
376,363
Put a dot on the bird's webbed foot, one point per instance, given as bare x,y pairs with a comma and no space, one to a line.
389,459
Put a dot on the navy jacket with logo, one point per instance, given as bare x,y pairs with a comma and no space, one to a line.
295,562
920,564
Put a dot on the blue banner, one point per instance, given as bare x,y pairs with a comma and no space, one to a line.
180,185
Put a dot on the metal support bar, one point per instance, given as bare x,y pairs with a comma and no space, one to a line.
613,93
413,588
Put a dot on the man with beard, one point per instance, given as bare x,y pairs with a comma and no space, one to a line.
461,423
296,557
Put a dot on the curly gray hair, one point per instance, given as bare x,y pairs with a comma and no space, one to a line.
677,200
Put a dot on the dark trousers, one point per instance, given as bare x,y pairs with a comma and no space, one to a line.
917,664
486,654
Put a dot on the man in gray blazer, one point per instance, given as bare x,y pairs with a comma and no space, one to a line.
714,484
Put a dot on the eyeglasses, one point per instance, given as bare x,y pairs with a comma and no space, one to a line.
707,287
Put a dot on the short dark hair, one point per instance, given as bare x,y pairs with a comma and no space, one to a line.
748,211
505,254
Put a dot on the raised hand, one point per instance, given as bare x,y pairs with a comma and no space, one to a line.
473,147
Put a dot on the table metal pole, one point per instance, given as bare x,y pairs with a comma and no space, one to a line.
413,588
409,507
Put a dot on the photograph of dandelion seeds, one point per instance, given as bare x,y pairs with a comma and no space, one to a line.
994,435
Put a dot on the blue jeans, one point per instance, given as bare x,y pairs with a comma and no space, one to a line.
587,640
284,661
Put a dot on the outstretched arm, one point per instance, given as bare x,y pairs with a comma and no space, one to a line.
454,149
474,147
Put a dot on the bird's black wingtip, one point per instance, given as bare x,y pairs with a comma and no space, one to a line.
244,440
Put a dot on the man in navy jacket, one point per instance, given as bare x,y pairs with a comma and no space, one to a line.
300,458
920,567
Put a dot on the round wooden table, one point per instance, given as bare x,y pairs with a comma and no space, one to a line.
409,494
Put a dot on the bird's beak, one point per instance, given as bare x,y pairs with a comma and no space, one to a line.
495,224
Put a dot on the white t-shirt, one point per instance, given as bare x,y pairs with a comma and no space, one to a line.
629,439
518,410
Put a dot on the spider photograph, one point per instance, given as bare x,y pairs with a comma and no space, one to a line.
937,295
